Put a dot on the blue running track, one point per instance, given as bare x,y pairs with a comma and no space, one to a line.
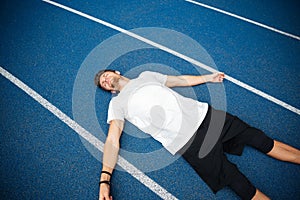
46,47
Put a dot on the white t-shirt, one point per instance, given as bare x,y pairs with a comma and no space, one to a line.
167,116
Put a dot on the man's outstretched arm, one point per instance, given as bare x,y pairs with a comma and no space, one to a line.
187,80
110,156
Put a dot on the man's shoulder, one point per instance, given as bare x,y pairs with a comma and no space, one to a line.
145,73
151,74
114,99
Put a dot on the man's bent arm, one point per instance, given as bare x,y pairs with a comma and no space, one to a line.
110,156
187,80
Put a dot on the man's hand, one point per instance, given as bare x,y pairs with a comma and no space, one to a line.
104,192
217,77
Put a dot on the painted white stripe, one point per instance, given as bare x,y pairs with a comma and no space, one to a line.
191,60
244,19
122,162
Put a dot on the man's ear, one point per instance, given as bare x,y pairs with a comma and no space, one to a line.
117,72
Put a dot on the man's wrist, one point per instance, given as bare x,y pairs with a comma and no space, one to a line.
105,176
206,78
104,182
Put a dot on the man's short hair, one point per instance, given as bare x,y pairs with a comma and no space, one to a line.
97,77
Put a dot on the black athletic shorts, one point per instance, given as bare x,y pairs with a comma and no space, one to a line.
215,169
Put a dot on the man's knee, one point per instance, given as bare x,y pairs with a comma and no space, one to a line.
242,187
261,141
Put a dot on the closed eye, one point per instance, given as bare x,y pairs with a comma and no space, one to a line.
103,84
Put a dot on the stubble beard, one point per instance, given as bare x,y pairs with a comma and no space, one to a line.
115,82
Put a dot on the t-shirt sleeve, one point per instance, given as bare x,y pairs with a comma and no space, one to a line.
115,112
156,76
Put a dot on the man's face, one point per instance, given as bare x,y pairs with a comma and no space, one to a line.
109,81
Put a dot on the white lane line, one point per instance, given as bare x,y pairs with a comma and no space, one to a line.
245,19
191,60
122,162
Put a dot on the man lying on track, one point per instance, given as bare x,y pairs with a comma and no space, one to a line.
193,129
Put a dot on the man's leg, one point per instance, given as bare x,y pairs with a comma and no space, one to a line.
285,152
260,196
257,139
244,188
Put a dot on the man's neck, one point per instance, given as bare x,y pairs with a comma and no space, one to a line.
123,82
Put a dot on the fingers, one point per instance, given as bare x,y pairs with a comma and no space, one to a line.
105,197
218,77
104,192
221,76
